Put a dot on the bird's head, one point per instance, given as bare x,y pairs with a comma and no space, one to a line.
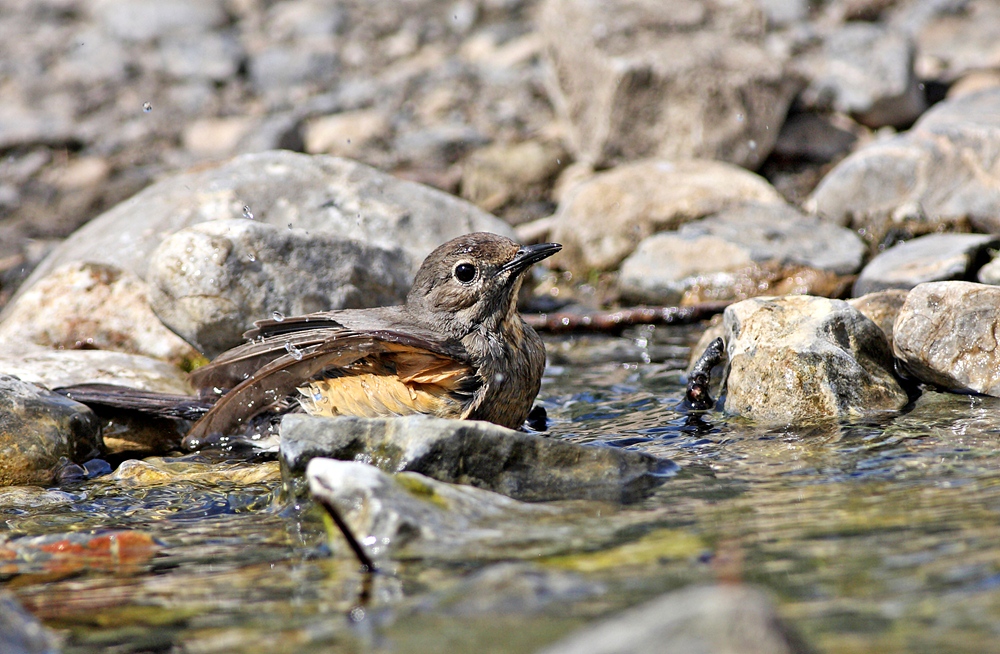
473,280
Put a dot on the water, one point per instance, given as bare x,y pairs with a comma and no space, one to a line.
871,536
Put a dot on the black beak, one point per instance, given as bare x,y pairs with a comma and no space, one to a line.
529,254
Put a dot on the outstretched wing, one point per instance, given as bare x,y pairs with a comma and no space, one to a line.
342,372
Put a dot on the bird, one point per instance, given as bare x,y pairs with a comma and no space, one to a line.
456,348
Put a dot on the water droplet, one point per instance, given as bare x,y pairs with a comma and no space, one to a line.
247,213
294,351
317,397
752,144
252,256
499,377
289,225
146,107
739,118
558,162
278,316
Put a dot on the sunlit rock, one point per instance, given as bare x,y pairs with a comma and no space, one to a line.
801,359
319,194
89,306
943,170
210,282
39,430
946,334
931,258
668,264
601,220
523,466
678,79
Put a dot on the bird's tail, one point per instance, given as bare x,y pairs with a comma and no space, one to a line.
164,405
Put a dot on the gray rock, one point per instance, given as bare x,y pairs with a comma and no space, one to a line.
775,232
668,264
322,195
93,306
211,281
865,70
601,220
944,169
212,56
881,307
678,79
931,258
38,429
946,334
956,39
21,632
57,368
802,359
146,20
411,513
277,68
735,619
520,465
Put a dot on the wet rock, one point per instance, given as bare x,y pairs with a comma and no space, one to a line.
409,511
935,257
59,368
721,618
523,466
501,173
211,281
21,632
600,221
881,307
322,195
946,334
941,171
39,429
865,70
803,359
93,306
677,79
668,264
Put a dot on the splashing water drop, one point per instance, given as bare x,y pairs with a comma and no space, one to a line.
294,351
277,316
146,107
252,256
247,213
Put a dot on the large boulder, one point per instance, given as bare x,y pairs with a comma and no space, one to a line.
337,198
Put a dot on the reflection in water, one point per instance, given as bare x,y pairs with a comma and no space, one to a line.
875,536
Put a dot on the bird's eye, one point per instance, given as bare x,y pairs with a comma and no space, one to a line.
465,272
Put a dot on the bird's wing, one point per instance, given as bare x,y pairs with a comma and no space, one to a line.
429,372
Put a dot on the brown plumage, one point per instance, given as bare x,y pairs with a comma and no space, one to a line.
457,348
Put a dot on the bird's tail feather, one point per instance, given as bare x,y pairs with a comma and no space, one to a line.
164,405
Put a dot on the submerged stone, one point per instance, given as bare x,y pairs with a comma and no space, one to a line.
523,466
720,618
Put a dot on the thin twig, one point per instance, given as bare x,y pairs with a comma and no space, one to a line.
359,551
615,321
699,380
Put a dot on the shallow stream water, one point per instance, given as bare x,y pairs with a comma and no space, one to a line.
881,536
